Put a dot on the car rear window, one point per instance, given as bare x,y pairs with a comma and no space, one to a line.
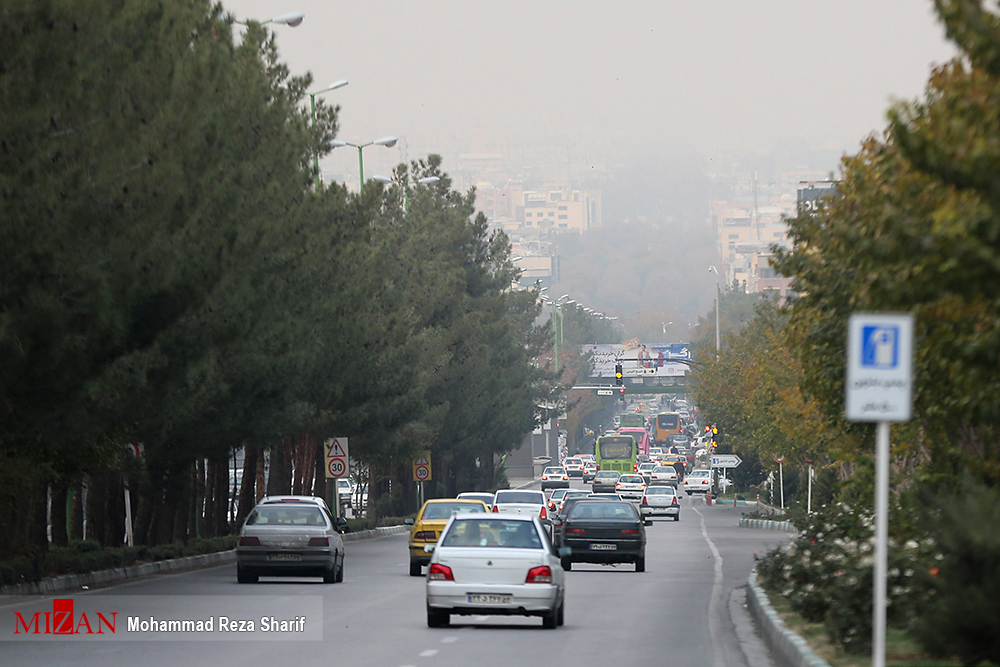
602,510
445,510
282,515
631,479
492,533
660,491
554,471
606,474
528,497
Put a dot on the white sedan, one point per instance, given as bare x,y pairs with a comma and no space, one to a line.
495,565
630,486
698,481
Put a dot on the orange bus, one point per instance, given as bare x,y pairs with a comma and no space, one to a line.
666,424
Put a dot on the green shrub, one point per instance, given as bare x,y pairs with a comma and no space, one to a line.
826,573
965,617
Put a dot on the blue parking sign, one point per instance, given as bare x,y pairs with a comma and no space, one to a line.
879,383
880,347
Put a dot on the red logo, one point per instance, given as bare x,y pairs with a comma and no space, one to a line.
62,621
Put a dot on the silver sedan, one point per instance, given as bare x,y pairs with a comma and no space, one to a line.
292,539
495,565
660,501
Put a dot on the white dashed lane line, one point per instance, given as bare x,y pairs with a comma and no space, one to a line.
449,640
429,653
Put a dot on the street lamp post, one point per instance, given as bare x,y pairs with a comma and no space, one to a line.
427,180
312,115
718,296
388,142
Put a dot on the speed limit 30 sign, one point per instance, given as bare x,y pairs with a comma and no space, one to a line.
336,454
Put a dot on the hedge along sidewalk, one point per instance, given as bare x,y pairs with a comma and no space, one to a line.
103,577
787,648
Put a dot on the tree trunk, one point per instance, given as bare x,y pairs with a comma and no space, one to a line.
210,499
96,489
57,512
248,489
76,520
222,497
261,486
114,527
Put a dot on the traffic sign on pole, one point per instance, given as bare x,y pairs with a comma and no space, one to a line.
422,467
337,458
726,461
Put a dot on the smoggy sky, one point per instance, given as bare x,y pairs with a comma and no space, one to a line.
708,77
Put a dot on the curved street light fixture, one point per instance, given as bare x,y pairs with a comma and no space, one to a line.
312,115
291,19
388,142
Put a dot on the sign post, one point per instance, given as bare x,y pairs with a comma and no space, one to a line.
422,471
880,389
337,459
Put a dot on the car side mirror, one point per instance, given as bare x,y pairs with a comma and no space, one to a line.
565,552
429,548
408,521
647,522
342,526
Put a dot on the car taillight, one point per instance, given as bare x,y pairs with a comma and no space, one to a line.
439,572
565,478
675,501
426,535
319,541
642,486
644,502
539,575
630,531
618,486
576,531
543,514
552,505
545,477
249,542
704,481
495,510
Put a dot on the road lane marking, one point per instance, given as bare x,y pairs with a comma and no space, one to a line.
716,599
449,640
429,653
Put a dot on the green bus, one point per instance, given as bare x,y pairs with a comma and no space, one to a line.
631,419
617,452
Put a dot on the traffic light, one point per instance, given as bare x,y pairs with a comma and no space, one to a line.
715,439
619,376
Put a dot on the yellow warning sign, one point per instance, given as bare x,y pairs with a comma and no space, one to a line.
422,467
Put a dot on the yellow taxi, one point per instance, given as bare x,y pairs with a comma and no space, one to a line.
430,522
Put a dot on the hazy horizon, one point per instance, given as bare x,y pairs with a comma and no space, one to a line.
713,80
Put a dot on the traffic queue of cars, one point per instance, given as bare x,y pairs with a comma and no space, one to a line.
486,554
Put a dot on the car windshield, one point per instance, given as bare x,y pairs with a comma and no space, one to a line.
612,510
664,469
445,510
528,497
281,515
509,534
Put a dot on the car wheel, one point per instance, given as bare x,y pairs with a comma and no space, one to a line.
688,492
414,569
567,564
340,572
244,577
438,619
550,621
561,616
677,517
640,564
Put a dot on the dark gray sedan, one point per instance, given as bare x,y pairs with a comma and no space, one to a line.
604,531
290,540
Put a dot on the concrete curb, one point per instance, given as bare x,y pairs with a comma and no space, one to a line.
101,577
768,524
788,649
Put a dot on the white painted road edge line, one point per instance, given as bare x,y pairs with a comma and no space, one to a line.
716,599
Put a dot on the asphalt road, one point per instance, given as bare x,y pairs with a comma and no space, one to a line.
684,610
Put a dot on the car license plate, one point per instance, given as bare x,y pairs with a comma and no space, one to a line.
489,598
284,557
603,547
